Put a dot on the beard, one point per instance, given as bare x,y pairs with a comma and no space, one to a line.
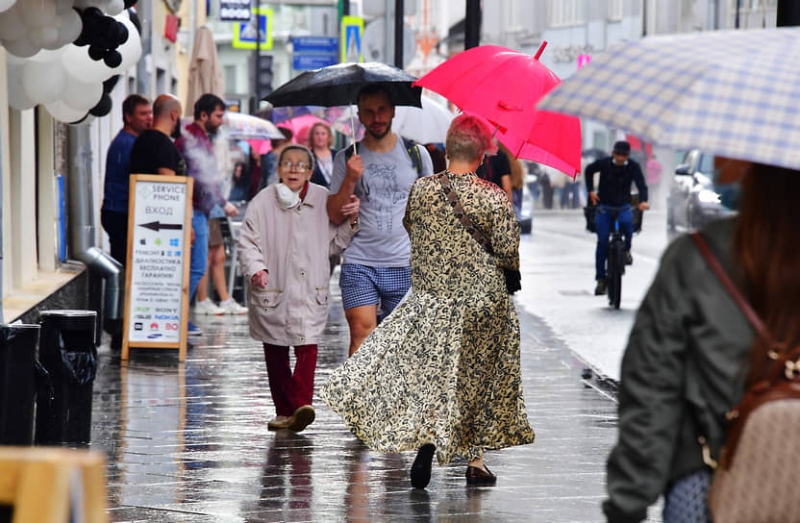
176,130
379,135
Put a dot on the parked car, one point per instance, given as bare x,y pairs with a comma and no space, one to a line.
525,214
699,194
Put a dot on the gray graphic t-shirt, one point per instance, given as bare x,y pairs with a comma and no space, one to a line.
381,240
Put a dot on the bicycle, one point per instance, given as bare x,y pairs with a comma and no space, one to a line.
615,262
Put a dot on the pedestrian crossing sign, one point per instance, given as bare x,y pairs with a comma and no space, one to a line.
352,30
260,23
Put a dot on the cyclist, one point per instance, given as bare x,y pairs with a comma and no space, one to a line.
617,173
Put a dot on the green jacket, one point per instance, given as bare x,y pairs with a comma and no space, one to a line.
686,360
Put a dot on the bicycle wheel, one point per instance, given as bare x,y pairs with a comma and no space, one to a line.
614,273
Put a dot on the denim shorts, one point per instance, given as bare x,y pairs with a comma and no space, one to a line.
363,285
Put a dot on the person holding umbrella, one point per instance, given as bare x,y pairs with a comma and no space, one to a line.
376,266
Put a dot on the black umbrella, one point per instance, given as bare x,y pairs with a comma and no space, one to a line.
339,85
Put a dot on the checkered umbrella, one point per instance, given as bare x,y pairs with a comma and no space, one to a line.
730,93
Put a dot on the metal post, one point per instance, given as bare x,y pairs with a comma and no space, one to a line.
644,18
144,10
788,13
472,24
256,53
399,10
738,7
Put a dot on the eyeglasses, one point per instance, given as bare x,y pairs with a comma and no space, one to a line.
300,166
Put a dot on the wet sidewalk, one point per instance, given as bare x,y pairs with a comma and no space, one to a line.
189,443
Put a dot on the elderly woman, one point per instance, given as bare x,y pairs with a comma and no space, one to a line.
441,374
284,245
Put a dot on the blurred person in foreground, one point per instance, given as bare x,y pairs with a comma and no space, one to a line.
617,174
284,245
441,374
691,348
376,267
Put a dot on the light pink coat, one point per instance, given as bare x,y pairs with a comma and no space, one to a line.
294,246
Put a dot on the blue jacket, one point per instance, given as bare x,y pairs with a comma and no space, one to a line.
116,184
614,187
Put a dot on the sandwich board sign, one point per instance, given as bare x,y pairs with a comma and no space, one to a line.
157,268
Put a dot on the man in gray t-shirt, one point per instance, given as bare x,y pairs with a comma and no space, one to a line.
377,264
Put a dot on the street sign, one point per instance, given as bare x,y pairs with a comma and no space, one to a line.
306,62
244,33
234,10
315,44
352,29
159,248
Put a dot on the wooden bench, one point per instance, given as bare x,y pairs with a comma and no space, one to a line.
46,484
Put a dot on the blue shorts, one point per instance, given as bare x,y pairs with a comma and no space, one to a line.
362,285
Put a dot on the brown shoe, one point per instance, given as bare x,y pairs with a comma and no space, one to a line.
279,423
477,476
302,418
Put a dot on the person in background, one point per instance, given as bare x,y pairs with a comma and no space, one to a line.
137,117
240,183
437,157
516,179
441,374
196,147
691,349
284,246
320,140
376,267
496,168
268,174
153,151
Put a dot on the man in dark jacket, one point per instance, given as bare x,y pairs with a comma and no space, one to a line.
617,173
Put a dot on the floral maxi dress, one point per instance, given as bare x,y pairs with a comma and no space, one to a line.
444,367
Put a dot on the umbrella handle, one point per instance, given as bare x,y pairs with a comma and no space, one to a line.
353,128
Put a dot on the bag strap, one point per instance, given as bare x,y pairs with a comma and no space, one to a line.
452,197
722,274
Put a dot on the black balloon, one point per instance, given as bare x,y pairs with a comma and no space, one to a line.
103,107
112,59
108,85
96,53
129,3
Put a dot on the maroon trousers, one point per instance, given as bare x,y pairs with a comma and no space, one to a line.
290,391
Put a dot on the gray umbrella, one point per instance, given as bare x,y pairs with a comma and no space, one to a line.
339,85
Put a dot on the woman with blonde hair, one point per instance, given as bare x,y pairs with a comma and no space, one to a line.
320,141
441,374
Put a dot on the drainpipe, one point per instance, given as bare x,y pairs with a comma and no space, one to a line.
82,228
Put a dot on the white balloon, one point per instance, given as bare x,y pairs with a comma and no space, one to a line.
64,6
71,26
81,95
46,55
78,64
64,113
45,37
21,47
43,81
17,97
131,50
11,26
38,13
114,7
6,4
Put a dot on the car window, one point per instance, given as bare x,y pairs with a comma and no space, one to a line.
706,164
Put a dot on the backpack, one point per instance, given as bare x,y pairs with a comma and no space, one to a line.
757,473
412,148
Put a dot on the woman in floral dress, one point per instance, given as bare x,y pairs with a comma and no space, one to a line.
441,374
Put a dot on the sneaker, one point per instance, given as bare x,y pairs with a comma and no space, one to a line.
628,258
193,330
208,308
600,290
231,307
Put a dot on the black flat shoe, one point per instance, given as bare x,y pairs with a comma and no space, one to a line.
476,476
421,468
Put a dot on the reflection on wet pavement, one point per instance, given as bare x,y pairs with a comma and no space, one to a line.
189,443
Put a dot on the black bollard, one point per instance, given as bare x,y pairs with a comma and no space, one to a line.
68,353
17,383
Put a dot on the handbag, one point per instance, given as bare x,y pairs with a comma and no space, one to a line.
512,277
757,473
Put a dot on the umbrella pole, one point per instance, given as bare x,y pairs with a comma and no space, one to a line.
353,128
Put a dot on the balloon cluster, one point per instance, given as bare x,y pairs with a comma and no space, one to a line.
67,54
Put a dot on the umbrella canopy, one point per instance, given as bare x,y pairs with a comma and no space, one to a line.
246,127
205,71
428,124
729,93
503,86
339,85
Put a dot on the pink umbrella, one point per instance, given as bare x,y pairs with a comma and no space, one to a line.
503,86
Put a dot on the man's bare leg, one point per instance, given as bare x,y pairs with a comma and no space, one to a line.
362,320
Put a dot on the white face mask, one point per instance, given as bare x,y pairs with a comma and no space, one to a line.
289,199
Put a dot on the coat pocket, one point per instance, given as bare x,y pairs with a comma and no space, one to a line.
322,295
265,298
